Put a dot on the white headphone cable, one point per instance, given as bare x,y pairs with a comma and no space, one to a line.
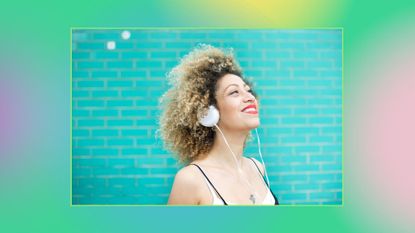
262,160
252,197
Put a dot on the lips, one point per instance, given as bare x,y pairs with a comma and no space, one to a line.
250,109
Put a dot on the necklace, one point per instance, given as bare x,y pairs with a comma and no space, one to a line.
241,176
252,198
250,188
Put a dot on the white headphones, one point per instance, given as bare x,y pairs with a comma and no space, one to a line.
211,118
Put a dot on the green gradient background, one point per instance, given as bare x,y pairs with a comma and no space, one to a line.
34,163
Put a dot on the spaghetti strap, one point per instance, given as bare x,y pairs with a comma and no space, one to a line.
256,166
259,171
210,183
276,200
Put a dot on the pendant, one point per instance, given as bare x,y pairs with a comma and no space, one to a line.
252,198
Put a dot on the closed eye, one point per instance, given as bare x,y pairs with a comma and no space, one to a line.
237,92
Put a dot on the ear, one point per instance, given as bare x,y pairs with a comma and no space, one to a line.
211,118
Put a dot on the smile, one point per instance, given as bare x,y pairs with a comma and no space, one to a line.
250,109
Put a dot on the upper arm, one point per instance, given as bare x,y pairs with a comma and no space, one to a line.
185,190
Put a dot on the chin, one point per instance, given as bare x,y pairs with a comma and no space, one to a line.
253,124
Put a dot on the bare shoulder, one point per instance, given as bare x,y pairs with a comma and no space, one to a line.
259,164
186,176
186,187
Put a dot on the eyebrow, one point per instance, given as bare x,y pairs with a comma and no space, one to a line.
234,84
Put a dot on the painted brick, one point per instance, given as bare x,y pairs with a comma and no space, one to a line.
292,45
90,65
87,84
80,74
104,151
307,148
322,158
292,64
133,73
294,120
179,45
81,55
277,54
322,195
332,185
135,171
90,142
104,113
121,182
293,196
80,132
317,139
134,112
106,93
321,120
133,132
265,45
120,64
306,167
124,45
162,54
83,93
106,55
120,83
104,74
319,64
120,142
236,45
120,163
293,159
134,151
104,132
134,55
80,151
90,123
117,156
149,64
307,186
119,103
293,139
149,45
119,123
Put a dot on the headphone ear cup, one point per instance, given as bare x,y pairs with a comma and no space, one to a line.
211,118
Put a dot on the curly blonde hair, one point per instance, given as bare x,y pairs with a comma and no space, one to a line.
193,86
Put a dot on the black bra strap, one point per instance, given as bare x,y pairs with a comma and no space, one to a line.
210,183
276,200
259,171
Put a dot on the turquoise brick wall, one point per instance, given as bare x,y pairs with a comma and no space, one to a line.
116,156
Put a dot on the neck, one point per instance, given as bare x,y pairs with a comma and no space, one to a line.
220,151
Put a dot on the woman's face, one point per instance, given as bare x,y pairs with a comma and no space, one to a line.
237,105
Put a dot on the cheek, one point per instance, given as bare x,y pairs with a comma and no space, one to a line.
231,109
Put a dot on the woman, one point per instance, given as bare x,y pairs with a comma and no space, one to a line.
216,171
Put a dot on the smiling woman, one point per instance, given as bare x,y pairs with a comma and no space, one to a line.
215,171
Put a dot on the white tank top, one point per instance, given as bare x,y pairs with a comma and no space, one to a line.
268,200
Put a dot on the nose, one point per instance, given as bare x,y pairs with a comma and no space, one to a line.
249,97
